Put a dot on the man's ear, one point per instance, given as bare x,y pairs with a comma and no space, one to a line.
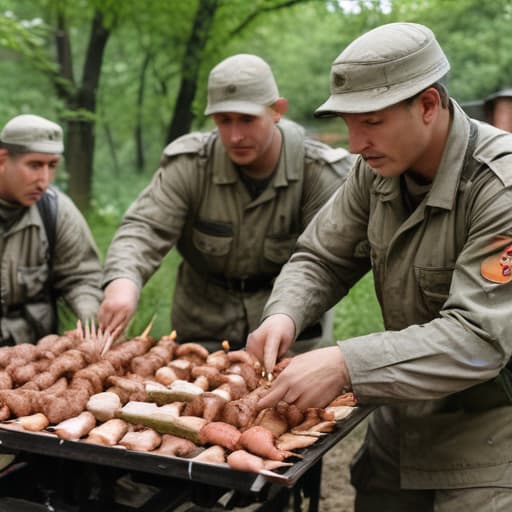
280,107
430,103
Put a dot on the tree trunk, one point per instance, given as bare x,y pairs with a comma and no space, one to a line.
183,116
139,142
82,100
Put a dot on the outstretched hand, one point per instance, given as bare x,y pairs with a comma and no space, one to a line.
118,306
312,379
271,340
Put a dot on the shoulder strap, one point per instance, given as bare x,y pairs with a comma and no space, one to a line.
47,206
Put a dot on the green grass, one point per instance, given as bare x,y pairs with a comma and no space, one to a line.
359,312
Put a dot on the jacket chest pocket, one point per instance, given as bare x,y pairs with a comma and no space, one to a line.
434,285
277,249
32,280
211,245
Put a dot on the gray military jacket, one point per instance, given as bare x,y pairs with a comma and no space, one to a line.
448,328
27,311
197,202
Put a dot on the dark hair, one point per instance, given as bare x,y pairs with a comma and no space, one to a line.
440,87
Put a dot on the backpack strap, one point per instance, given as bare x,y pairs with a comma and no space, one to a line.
48,206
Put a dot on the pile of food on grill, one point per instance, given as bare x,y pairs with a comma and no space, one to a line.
156,396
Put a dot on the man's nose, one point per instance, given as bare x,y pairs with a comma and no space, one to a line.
357,140
236,133
45,176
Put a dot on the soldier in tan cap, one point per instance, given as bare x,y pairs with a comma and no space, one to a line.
46,248
427,209
233,201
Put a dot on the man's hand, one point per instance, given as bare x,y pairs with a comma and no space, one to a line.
118,306
312,379
271,339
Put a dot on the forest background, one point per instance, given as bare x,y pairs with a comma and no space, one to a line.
125,77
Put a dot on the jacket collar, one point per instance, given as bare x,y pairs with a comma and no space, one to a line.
29,217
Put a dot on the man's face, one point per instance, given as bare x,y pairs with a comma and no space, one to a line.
392,140
25,177
248,139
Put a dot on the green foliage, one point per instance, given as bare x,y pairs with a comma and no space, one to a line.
359,312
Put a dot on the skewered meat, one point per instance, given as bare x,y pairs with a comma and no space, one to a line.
242,412
165,375
260,441
182,368
245,461
193,352
273,421
218,360
289,441
247,372
33,423
73,429
223,434
176,446
145,440
108,433
5,380
104,405
214,454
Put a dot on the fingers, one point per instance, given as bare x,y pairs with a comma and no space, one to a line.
270,352
254,346
275,395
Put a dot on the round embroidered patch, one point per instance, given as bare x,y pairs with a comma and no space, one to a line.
498,268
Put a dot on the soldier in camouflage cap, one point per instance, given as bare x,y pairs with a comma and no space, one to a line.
232,201
427,209
46,248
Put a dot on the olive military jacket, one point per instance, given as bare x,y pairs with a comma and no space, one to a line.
198,203
27,307
448,328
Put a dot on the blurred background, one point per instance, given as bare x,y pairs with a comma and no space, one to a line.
124,78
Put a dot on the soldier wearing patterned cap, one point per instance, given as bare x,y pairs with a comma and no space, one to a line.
46,248
233,201
427,209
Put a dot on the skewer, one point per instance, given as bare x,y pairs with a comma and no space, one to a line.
147,330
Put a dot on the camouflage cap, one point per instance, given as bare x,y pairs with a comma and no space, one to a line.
386,65
28,133
242,83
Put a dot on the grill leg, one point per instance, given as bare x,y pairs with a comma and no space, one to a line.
309,486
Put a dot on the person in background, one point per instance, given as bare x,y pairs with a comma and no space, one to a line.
233,201
427,208
46,248
498,109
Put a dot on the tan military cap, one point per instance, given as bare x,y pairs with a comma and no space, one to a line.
386,65
28,133
242,83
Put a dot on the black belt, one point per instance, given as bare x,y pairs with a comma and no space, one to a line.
246,284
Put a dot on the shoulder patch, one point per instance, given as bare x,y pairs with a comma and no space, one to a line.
497,267
190,143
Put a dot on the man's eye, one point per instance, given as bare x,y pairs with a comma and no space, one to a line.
373,122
